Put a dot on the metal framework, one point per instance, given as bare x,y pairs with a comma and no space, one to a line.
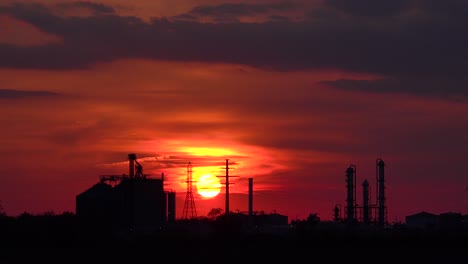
368,213
189,206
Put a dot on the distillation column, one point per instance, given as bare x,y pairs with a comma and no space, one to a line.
351,193
382,210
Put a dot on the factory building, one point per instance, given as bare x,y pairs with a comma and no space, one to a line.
126,203
421,220
443,222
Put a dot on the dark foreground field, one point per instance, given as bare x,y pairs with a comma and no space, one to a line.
62,241
229,247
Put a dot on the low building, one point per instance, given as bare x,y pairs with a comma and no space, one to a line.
422,220
450,221
126,203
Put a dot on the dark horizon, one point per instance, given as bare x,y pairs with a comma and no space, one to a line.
292,92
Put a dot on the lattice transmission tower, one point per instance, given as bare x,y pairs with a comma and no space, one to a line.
189,206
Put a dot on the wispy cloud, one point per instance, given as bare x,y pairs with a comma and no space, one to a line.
404,45
98,8
13,94
233,12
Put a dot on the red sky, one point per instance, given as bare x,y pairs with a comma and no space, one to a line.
291,92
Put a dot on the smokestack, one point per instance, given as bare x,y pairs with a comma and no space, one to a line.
250,199
351,193
131,159
381,192
227,187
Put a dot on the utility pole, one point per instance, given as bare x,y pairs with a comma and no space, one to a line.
227,183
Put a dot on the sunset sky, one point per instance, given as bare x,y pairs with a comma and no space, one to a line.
291,92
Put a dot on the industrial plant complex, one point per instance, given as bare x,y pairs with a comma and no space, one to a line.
132,201
367,212
134,208
138,203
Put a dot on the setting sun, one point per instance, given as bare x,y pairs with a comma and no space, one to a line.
208,186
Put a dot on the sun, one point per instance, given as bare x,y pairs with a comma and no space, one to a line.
208,185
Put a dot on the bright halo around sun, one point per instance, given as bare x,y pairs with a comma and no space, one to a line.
208,185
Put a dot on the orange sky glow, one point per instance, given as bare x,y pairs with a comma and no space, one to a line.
293,130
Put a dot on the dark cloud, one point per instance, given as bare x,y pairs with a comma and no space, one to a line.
232,12
381,85
10,93
370,7
239,9
95,7
424,86
279,18
423,53
185,17
448,9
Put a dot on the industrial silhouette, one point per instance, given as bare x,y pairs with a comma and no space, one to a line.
366,213
121,203
226,183
189,212
171,206
136,203
133,210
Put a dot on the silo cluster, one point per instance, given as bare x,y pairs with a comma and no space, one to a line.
122,203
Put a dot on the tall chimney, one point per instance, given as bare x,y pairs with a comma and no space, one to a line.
227,187
382,210
351,193
131,159
250,200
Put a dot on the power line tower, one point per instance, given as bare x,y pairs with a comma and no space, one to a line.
189,206
227,183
